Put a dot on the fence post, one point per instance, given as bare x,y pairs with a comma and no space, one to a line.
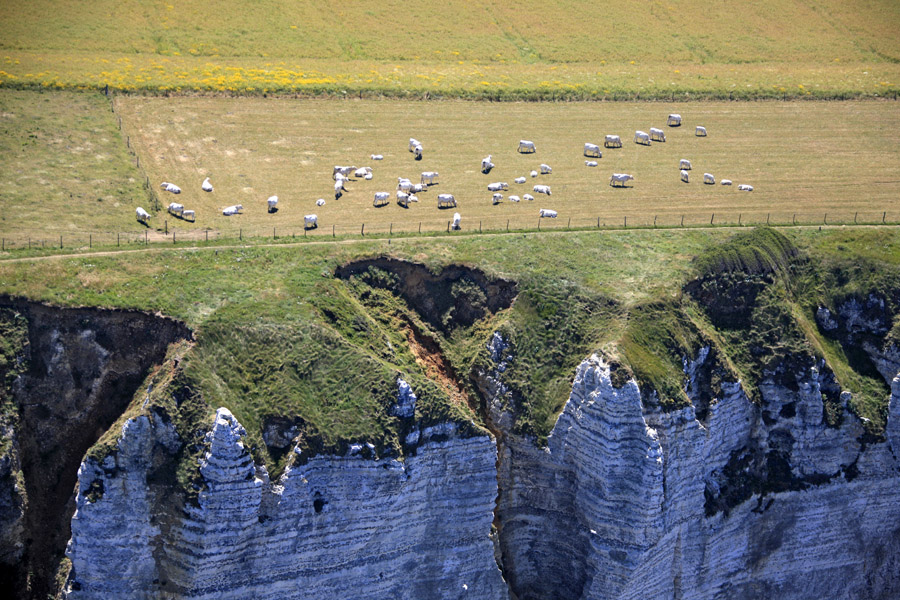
448,226
539,224
362,230
654,221
712,218
332,230
569,224
479,226
507,226
4,244
273,234
420,226
60,242
173,236
598,222
145,239
90,240
739,219
825,220
117,240
391,230
241,234
883,215
854,217
207,235
794,219
682,220
767,218
167,227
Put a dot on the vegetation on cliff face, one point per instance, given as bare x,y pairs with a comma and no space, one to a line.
13,340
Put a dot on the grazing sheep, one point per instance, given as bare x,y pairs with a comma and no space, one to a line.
685,164
547,213
641,137
708,178
620,179
612,141
446,200
418,152
526,146
339,189
429,177
685,176
592,150
657,135
486,164
413,142
343,171
546,170
189,215
542,189
272,203
404,184
456,219
403,199
206,186
142,215
176,209
700,131
497,198
674,120
381,198
310,222
534,173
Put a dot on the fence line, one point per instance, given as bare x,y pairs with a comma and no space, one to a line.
286,233
152,194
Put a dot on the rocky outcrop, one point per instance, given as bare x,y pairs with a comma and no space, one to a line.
332,527
630,501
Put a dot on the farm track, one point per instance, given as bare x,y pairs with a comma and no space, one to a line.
400,240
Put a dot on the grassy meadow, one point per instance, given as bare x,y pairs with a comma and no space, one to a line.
527,49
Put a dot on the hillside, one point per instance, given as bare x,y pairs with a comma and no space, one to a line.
527,50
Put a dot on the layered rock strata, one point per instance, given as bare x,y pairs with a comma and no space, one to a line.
628,501
334,527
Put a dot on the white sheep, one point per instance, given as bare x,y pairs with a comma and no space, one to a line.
189,215
519,180
708,178
170,187
339,189
674,120
542,189
310,222
206,186
381,198
620,179
547,213
497,198
429,177
526,146
527,197
685,176
418,188
272,202
534,173
418,152
498,186
486,164
514,198
685,164
413,198
142,215
413,142
403,199
612,141
725,182
700,131
344,171
232,210
641,137
377,156
446,200
657,135
592,151
362,172
745,188
456,220
176,209
545,169
590,163
320,202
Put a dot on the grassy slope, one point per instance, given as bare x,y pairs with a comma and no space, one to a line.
458,47
804,158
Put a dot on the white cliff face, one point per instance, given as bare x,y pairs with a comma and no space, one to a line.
626,502
335,527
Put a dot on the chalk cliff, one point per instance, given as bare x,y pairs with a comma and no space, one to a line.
332,527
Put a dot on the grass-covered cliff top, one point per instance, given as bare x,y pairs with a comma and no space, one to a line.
280,337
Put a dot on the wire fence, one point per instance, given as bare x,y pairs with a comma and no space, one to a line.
181,232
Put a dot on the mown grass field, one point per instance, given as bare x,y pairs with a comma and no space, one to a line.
530,49
804,158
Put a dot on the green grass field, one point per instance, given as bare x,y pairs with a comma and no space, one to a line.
527,49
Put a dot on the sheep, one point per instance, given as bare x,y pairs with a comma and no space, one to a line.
413,142
404,184
232,210
547,213
700,131
429,177
725,182
456,219
514,198
685,176
498,186
176,209
612,141
541,189
206,186
546,170
708,178
519,180
170,187
641,137
418,152
413,198
189,215
345,171
418,188
486,164
310,222
445,200
590,163
320,202
376,156
362,172
657,135
403,199
526,146
497,198
527,197
272,203
592,150
369,176
142,215
339,189
381,198
534,173
684,164
745,188
674,120
620,179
